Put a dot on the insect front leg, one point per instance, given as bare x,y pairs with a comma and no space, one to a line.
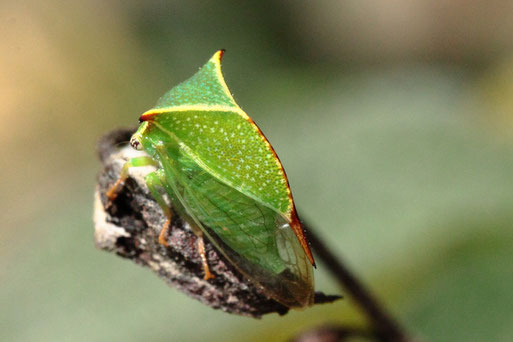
113,192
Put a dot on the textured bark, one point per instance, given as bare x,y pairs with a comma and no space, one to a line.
130,226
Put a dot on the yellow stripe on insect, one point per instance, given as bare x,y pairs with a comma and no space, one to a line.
217,62
187,108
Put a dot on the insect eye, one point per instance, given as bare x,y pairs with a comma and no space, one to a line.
135,143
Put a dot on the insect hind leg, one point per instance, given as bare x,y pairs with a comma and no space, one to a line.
200,242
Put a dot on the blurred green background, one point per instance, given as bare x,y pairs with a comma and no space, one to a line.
392,118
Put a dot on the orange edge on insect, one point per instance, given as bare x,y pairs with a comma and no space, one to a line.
220,54
300,232
147,116
295,224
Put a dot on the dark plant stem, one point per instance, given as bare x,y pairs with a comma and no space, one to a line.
385,326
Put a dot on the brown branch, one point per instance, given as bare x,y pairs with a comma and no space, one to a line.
130,226
385,326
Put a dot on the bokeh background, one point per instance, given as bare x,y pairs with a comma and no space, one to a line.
393,120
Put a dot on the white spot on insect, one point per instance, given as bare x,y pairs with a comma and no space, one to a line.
212,129
216,123
284,226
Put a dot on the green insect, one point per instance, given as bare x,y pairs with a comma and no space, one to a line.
220,173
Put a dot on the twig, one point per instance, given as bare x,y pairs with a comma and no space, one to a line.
386,327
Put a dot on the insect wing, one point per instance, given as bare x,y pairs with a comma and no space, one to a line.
256,239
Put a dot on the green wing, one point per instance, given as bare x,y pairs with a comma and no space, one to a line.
254,238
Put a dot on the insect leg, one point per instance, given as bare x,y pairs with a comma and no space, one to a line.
172,173
201,249
153,181
113,192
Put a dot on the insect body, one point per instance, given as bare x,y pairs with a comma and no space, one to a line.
221,174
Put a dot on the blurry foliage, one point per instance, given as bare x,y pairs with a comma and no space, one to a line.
396,151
